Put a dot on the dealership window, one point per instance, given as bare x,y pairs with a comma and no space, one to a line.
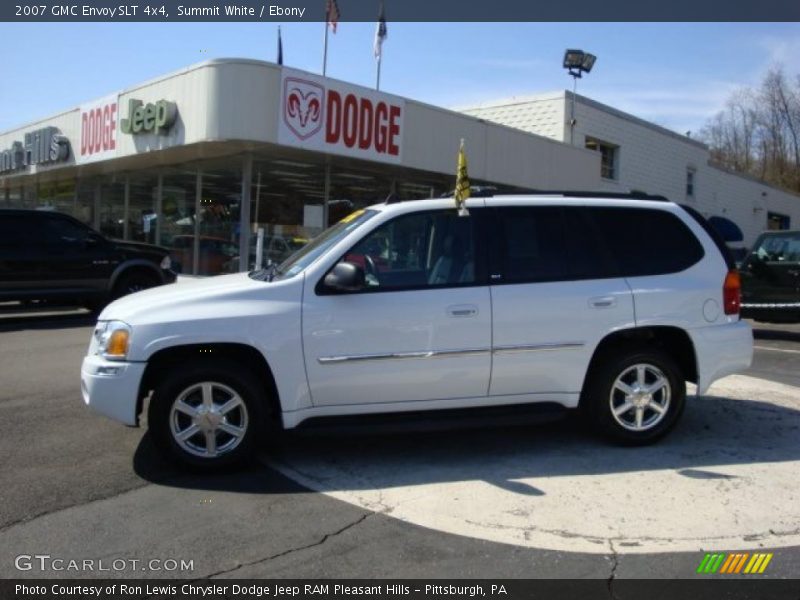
142,195
287,198
14,196
58,196
218,219
84,207
177,218
609,157
690,182
112,207
777,221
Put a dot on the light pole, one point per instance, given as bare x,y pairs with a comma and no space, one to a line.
577,62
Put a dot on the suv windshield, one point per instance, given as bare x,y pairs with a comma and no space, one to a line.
316,247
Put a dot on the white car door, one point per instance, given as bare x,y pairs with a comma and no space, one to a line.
554,297
420,329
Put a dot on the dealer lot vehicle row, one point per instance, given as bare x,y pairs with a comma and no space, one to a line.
606,304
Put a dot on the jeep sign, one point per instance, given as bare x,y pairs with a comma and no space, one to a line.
149,118
331,116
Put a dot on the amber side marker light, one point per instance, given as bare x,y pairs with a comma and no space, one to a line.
732,292
118,343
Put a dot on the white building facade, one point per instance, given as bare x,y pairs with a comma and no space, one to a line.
200,159
637,155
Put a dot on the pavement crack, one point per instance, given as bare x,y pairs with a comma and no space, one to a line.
31,518
613,574
319,542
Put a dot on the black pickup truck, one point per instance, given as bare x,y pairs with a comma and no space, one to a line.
771,278
49,256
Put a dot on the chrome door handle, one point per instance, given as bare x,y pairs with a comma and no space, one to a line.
603,302
462,310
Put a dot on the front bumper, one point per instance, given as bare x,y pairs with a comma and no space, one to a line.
721,350
111,387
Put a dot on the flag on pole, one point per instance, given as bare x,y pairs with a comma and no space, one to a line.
462,182
380,34
332,14
280,47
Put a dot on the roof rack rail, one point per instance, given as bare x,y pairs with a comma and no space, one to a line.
487,191
610,195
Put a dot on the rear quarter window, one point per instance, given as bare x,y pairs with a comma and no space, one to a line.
646,241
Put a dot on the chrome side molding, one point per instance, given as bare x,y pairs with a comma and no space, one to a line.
329,360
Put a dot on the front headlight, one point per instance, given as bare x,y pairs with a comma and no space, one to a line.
166,263
112,339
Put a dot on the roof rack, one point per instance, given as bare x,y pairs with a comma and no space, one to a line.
609,195
486,191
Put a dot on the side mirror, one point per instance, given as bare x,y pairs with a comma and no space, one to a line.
345,277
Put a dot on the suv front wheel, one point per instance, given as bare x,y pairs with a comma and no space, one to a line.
207,414
635,396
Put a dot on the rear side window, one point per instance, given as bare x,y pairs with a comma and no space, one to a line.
646,242
783,248
550,243
533,245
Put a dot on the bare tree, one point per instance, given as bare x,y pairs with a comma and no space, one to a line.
758,133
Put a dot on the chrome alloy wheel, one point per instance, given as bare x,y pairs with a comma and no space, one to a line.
208,419
640,397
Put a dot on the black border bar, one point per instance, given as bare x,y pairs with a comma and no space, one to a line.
712,587
400,10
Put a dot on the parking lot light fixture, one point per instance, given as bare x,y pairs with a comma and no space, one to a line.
577,62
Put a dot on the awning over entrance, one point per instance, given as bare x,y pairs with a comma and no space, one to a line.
727,229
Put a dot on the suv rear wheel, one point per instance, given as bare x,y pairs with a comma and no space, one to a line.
635,396
207,414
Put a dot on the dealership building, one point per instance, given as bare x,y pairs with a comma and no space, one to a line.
201,159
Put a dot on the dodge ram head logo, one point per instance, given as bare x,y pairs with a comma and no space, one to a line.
302,106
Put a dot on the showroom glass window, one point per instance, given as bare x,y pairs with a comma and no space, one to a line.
218,219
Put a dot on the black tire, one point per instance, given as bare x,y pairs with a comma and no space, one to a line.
136,281
224,375
664,406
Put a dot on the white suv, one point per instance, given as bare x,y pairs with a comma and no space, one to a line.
605,304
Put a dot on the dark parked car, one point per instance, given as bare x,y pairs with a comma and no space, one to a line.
52,256
771,278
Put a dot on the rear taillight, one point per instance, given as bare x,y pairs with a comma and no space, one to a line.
732,293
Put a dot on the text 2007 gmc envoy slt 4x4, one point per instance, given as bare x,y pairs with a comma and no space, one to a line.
607,304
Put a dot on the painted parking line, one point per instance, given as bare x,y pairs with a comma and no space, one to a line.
726,477
776,349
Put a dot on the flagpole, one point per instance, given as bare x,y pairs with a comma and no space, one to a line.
378,81
325,51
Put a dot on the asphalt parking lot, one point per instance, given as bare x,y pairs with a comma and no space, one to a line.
543,501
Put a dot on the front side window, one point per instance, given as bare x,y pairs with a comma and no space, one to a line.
418,250
58,229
